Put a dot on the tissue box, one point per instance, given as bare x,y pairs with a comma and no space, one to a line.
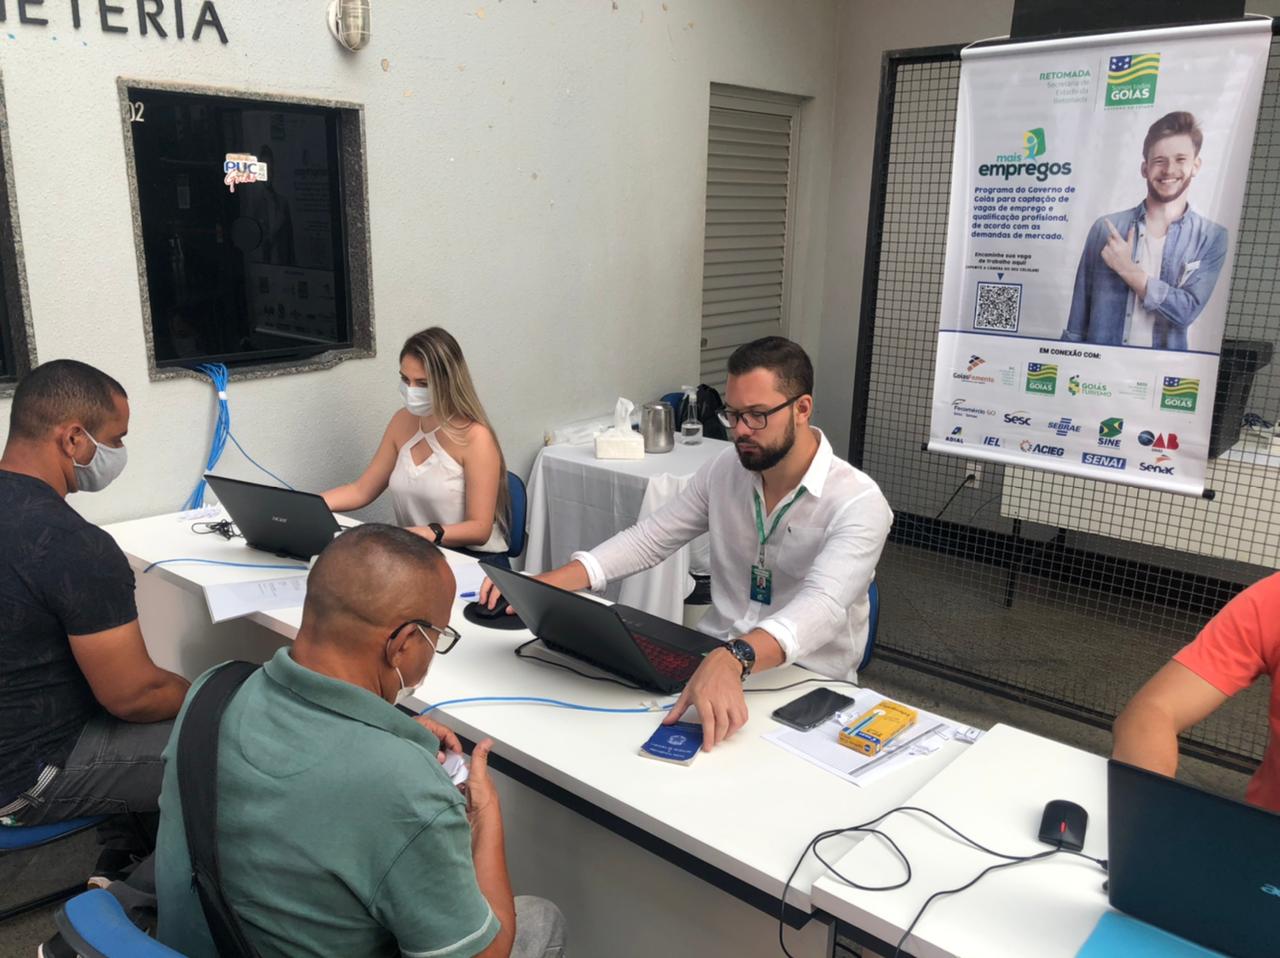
611,445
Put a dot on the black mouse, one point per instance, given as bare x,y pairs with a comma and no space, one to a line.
482,611
495,618
1063,825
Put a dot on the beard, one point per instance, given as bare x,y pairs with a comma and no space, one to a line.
760,458
1156,197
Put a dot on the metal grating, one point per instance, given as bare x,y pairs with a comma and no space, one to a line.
978,582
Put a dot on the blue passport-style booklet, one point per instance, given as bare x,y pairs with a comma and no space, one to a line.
678,742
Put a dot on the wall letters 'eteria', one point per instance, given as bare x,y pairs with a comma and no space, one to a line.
160,17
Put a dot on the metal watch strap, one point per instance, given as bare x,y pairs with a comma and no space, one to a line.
744,653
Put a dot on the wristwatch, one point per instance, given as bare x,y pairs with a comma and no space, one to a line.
437,530
744,653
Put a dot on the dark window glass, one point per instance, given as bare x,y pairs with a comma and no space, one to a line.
250,275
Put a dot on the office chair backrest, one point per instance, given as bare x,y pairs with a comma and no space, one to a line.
519,510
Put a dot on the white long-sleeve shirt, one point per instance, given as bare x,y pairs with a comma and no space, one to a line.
823,555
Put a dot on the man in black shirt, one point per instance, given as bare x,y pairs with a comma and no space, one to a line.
84,712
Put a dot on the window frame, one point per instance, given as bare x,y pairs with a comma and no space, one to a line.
16,331
354,192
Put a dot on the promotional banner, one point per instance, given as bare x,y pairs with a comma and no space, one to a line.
1096,192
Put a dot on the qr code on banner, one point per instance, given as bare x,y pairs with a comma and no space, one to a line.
998,306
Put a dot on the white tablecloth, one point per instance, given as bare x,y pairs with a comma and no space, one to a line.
576,501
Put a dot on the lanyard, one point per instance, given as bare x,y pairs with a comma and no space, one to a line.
764,538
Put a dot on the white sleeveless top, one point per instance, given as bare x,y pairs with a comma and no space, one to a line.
434,491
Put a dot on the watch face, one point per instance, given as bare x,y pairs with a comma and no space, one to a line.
743,651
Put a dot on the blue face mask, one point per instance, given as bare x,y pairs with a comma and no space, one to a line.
100,471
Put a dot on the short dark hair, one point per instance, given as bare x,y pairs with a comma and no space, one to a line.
1178,123
781,357
59,391
353,573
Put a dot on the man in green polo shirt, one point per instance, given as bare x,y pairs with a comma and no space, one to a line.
338,831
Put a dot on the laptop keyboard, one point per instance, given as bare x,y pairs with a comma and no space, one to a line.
668,662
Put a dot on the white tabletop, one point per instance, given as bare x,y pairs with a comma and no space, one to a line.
995,793
682,460
747,808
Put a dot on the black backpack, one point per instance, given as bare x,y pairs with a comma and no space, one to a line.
709,404
198,795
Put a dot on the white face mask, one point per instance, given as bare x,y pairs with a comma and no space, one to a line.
100,471
405,690
417,399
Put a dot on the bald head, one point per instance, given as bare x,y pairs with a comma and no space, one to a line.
374,577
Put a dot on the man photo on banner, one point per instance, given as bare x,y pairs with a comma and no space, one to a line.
1146,273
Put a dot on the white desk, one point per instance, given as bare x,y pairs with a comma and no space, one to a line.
577,501
995,793
737,818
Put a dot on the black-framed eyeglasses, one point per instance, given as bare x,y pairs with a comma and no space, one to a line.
447,635
755,419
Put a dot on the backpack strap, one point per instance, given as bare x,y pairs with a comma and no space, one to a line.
198,793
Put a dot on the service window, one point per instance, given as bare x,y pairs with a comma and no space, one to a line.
251,216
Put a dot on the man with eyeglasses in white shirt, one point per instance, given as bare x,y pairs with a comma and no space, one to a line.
795,536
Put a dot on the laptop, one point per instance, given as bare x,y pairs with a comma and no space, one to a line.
1201,866
630,643
284,522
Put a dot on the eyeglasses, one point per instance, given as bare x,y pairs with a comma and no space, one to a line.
754,419
448,636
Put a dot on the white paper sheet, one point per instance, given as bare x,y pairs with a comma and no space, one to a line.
822,747
233,600
469,575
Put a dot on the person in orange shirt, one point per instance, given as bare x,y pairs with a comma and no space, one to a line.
1240,644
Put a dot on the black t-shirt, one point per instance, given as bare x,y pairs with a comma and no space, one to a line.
60,575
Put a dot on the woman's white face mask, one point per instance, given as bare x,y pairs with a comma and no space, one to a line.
417,399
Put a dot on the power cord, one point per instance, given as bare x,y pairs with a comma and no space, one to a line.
867,827
536,700
239,565
967,479
521,654
224,527
219,376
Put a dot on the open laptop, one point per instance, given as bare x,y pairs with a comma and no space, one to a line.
632,644
284,522
1203,867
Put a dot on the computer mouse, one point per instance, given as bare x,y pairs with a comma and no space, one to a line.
482,611
495,618
1063,825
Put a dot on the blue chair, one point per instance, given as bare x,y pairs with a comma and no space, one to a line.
873,620
519,512
20,838
95,925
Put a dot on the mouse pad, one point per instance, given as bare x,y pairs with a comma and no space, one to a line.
503,621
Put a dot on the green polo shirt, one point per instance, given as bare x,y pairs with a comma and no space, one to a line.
338,831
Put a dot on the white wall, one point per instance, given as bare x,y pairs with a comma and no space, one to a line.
536,181
867,28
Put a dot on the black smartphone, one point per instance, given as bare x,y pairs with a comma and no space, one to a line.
811,709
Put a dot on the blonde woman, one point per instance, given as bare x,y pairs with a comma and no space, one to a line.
439,456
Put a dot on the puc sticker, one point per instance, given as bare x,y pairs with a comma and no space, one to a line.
242,168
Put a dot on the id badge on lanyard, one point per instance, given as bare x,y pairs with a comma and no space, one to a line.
761,588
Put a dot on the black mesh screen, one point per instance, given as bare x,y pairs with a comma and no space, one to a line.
1065,592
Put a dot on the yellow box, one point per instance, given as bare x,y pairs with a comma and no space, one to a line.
876,728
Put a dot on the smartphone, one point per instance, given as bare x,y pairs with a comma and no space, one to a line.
811,709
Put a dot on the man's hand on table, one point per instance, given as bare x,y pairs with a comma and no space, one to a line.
715,690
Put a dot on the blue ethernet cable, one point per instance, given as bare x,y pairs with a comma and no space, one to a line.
219,376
